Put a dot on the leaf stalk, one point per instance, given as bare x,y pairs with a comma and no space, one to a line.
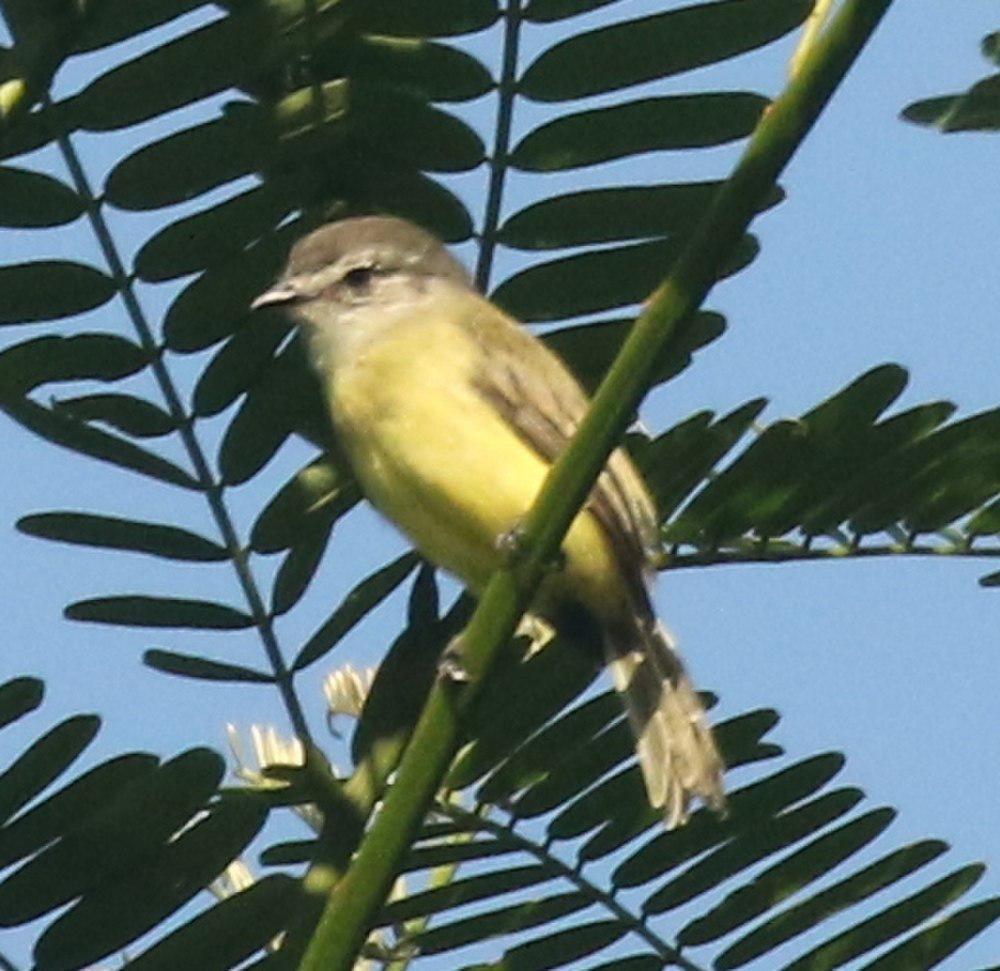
500,157
185,427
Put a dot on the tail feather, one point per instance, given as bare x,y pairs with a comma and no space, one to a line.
677,753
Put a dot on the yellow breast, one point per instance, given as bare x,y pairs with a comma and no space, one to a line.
438,460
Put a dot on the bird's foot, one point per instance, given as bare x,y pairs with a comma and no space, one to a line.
511,546
510,543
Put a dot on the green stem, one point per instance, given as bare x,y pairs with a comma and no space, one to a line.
209,485
358,897
666,952
501,145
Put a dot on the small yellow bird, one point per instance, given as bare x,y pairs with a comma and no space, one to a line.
451,413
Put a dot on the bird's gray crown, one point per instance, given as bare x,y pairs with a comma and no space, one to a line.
384,242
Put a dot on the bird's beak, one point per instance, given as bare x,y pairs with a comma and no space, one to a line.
278,294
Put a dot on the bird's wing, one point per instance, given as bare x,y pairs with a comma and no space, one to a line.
545,406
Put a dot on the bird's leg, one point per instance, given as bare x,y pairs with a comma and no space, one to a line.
510,545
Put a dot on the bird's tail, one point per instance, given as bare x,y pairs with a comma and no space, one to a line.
677,753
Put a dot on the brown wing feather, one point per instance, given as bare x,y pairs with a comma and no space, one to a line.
677,753
546,411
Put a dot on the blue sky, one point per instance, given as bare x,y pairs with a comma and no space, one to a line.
884,251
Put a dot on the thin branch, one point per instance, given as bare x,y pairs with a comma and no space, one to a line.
501,145
358,897
209,484
637,925
791,554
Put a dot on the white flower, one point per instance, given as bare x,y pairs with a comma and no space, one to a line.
346,689
270,749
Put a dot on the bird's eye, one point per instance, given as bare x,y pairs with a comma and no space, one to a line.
360,278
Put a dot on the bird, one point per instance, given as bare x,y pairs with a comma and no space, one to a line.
450,413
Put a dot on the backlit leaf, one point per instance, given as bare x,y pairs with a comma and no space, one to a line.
778,882
238,364
589,349
44,761
108,532
653,124
495,923
187,163
87,440
30,200
268,414
465,890
298,569
64,810
139,817
201,668
768,836
658,46
115,20
18,697
119,911
676,462
545,11
762,799
834,899
213,235
404,679
141,611
50,290
427,18
361,600
230,932
937,942
126,413
423,68
199,63
100,357
598,280
316,494
543,683
611,215
217,304
537,757
891,921
565,946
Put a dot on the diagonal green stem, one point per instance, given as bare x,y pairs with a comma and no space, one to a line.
209,485
358,897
